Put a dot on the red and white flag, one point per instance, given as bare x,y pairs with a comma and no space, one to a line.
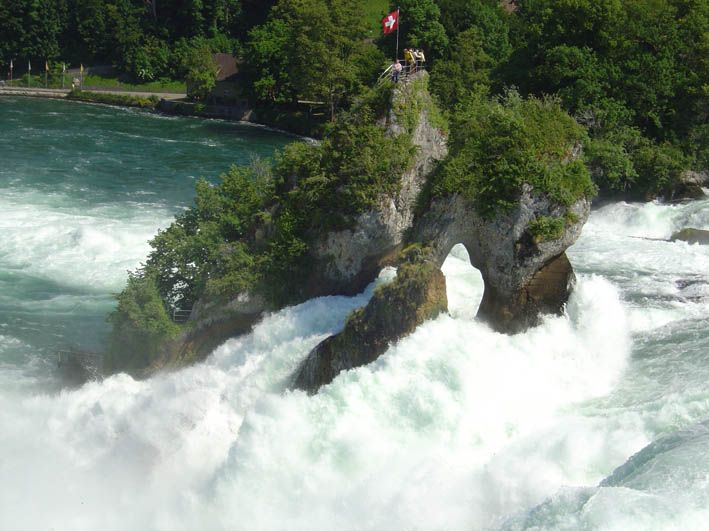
390,22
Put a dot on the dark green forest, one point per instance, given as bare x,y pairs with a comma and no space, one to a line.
634,73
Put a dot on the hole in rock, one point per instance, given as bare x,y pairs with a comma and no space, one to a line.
464,283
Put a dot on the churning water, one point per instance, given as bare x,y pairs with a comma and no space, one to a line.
456,427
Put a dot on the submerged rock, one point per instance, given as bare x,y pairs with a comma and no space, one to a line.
417,294
691,236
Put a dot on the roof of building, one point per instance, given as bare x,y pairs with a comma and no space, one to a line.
227,65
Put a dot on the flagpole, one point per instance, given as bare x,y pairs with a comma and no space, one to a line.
398,20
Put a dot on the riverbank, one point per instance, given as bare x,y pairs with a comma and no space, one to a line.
295,120
40,92
292,119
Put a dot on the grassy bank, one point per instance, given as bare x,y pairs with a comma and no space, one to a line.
114,99
112,83
54,81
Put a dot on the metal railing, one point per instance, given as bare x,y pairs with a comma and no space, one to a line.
407,69
181,316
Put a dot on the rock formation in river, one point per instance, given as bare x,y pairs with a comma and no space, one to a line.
417,294
519,248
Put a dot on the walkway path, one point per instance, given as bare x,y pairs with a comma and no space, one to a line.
61,93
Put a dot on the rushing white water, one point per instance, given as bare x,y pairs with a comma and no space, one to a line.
455,427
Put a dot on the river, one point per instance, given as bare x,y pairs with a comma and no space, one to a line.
455,428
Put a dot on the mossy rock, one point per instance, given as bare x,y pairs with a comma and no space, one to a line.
416,295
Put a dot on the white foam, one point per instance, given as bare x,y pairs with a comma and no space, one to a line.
83,248
218,446
455,427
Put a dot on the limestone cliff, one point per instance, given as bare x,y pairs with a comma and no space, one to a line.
352,257
344,261
516,266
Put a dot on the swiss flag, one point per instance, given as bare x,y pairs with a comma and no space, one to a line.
390,22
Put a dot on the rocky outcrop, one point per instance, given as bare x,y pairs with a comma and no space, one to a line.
417,294
353,257
345,261
513,262
689,186
692,236
519,252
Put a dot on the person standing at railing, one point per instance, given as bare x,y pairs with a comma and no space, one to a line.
396,69
410,61
420,58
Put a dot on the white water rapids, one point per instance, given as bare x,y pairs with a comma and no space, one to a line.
454,428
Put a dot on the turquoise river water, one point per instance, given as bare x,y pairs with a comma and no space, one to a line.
597,419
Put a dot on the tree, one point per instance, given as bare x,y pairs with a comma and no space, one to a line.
466,72
201,71
314,50
419,26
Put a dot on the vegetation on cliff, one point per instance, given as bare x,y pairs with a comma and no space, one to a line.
497,145
253,231
634,73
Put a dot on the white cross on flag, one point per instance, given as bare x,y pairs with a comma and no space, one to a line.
390,22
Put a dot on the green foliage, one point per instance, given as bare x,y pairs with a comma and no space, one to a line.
467,72
608,155
200,71
498,145
420,27
486,18
546,228
639,64
356,163
658,166
141,323
129,34
208,248
92,81
312,50
413,101
150,60
31,30
623,160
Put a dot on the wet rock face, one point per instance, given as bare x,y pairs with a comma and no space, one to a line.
417,294
515,265
692,236
546,292
689,186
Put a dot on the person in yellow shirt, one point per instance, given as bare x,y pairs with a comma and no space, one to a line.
410,61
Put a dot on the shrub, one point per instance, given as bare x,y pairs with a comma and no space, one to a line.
658,166
545,228
498,145
141,323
